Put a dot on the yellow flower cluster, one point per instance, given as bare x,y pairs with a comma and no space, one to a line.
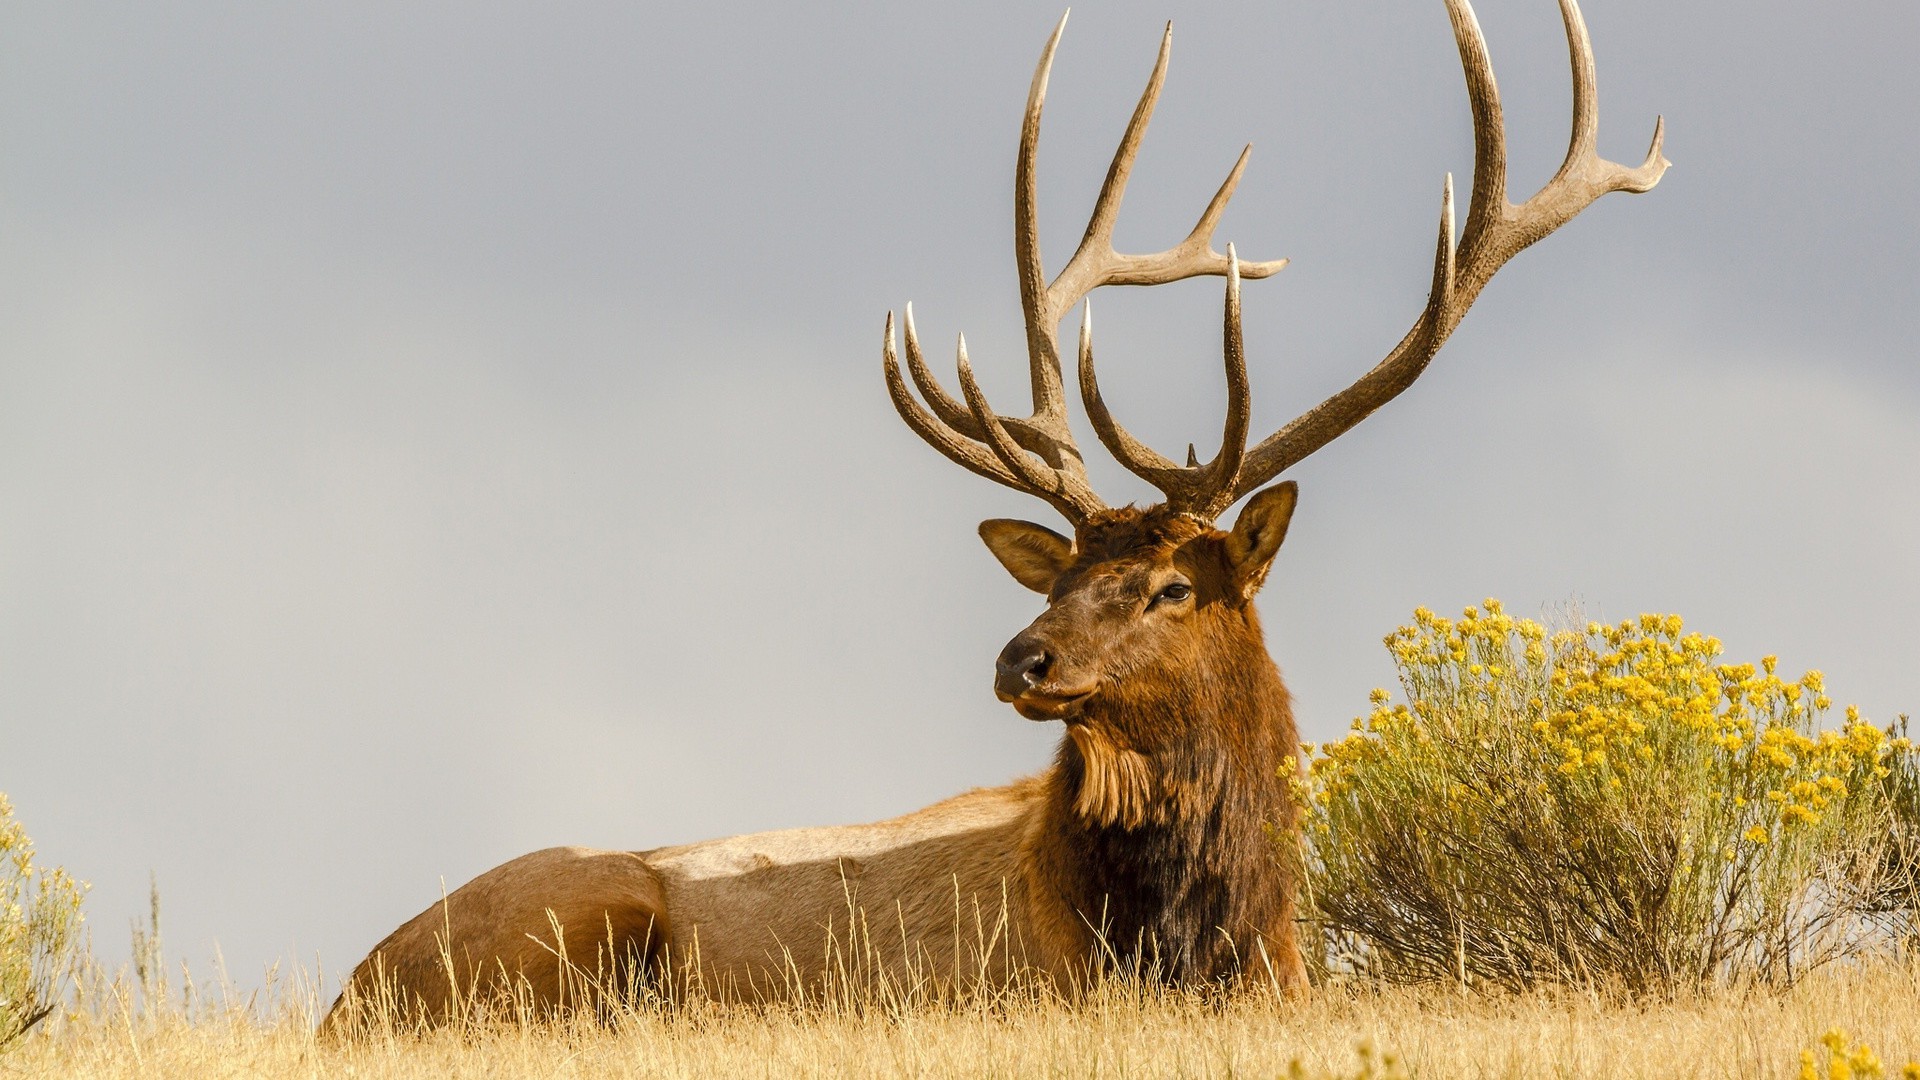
1618,708
1858,1062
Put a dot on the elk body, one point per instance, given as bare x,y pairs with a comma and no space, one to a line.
1156,840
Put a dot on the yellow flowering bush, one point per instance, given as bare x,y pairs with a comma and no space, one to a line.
39,927
1616,803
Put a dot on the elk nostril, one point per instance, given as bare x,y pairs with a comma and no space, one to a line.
1034,668
1018,670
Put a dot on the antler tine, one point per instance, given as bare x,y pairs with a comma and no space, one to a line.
1488,204
1096,263
1204,490
1096,244
1065,488
1041,317
1138,458
1042,435
1495,232
997,450
1584,140
997,438
1201,238
951,411
960,450
1218,480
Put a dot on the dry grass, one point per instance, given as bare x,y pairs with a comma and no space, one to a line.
1435,1031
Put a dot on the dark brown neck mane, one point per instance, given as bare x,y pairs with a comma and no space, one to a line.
1166,809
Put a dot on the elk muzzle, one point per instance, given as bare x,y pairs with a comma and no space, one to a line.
1025,675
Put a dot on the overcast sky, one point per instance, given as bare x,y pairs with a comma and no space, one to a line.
431,432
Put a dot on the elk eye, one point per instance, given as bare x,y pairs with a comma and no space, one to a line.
1174,593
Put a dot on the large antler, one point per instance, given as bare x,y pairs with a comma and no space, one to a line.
1036,453
1496,230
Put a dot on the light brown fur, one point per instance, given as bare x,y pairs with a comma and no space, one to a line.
1120,785
937,899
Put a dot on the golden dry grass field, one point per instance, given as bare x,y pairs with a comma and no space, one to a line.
1345,1031
1775,938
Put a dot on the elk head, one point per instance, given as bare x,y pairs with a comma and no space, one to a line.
1135,596
1159,596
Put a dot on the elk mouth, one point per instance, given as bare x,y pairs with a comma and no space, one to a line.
1043,705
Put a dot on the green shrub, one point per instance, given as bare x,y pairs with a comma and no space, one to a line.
39,931
1612,806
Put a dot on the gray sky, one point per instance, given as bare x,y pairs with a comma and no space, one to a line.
432,432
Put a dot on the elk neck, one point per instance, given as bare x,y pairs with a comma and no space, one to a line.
1165,806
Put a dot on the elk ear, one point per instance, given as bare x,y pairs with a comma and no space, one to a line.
1035,555
1256,536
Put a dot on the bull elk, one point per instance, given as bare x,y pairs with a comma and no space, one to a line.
1150,843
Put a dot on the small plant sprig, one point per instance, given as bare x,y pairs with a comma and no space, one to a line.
40,920
1613,804
1370,1067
